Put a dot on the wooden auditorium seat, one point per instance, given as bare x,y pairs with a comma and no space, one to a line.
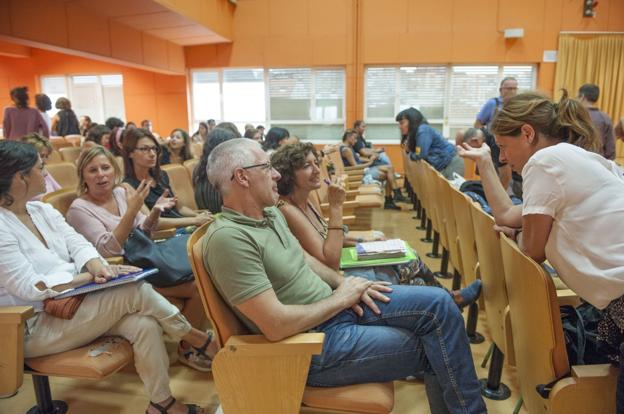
254,375
539,344
181,184
75,140
190,166
75,363
54,157
65,173
70,154
59,142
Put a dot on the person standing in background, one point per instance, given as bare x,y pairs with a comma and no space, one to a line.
588,95
65,122
44,104
22,120
508,89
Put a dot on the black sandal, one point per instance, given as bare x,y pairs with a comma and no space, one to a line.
192,408
202,349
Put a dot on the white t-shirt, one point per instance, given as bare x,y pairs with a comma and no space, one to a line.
584,194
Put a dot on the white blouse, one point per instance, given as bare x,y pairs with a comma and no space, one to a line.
25,260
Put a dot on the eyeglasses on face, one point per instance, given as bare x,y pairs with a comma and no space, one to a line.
265,166
147,149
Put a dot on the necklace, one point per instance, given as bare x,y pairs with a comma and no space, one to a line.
323,230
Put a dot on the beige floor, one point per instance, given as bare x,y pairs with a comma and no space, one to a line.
123,392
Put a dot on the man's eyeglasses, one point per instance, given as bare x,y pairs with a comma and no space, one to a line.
266,166
145,150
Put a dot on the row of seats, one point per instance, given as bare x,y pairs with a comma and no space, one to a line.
521,302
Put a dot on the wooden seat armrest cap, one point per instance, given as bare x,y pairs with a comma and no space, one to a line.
163,234
15,315
248,345
567,297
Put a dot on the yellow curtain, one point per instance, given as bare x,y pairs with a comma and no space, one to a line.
597,59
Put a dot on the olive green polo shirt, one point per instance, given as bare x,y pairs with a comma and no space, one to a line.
246,257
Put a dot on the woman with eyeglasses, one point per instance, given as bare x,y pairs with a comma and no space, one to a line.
141,154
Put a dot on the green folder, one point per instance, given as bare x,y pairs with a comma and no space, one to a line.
349,260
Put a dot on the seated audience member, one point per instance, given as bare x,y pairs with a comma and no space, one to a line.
211,125
20,119
231,127
261,129
141,154
85,124
147,124
65,121
97,135
248,126
588,95
44,104
177,149
619,129
206,196
300,174
425,143
113,123
573,208
351,158
275,138
115,141
41,255
130,124
201,135
475,137
365,148
106,213
253,134
44,148
373,332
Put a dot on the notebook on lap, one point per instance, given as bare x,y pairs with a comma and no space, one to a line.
121,280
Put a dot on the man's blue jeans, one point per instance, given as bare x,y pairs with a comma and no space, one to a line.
419,330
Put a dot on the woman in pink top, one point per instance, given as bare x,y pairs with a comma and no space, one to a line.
106,213
44,148
21,120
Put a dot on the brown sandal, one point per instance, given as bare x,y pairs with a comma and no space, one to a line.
191,408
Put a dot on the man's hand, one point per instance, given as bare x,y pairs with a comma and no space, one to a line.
507,231
374,292
351,289
476,154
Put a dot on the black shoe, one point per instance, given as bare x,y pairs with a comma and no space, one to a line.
389,205
399,197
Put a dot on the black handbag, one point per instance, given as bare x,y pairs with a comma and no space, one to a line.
168,256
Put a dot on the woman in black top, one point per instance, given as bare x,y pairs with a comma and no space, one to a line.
206,196
141,154
65,121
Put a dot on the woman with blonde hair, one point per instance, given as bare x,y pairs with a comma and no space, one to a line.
107,212
572,212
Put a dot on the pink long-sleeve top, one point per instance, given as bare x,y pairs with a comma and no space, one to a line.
96,223
22,121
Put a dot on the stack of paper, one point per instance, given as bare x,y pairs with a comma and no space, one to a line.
380,249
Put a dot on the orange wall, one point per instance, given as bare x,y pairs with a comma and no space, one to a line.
72,27
355,33
161,98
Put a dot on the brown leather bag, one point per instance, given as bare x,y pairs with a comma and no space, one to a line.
63,308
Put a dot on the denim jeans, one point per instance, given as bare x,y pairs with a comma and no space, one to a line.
419,330
383,159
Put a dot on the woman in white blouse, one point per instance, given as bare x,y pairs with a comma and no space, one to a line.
41,255
573,202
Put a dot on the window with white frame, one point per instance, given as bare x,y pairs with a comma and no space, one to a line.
98,96
448,96
308,102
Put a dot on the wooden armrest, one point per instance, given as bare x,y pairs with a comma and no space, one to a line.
12,320
248,345
14,315
347,205
354,168
254,375
568,297
163,234
115,260
590,389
